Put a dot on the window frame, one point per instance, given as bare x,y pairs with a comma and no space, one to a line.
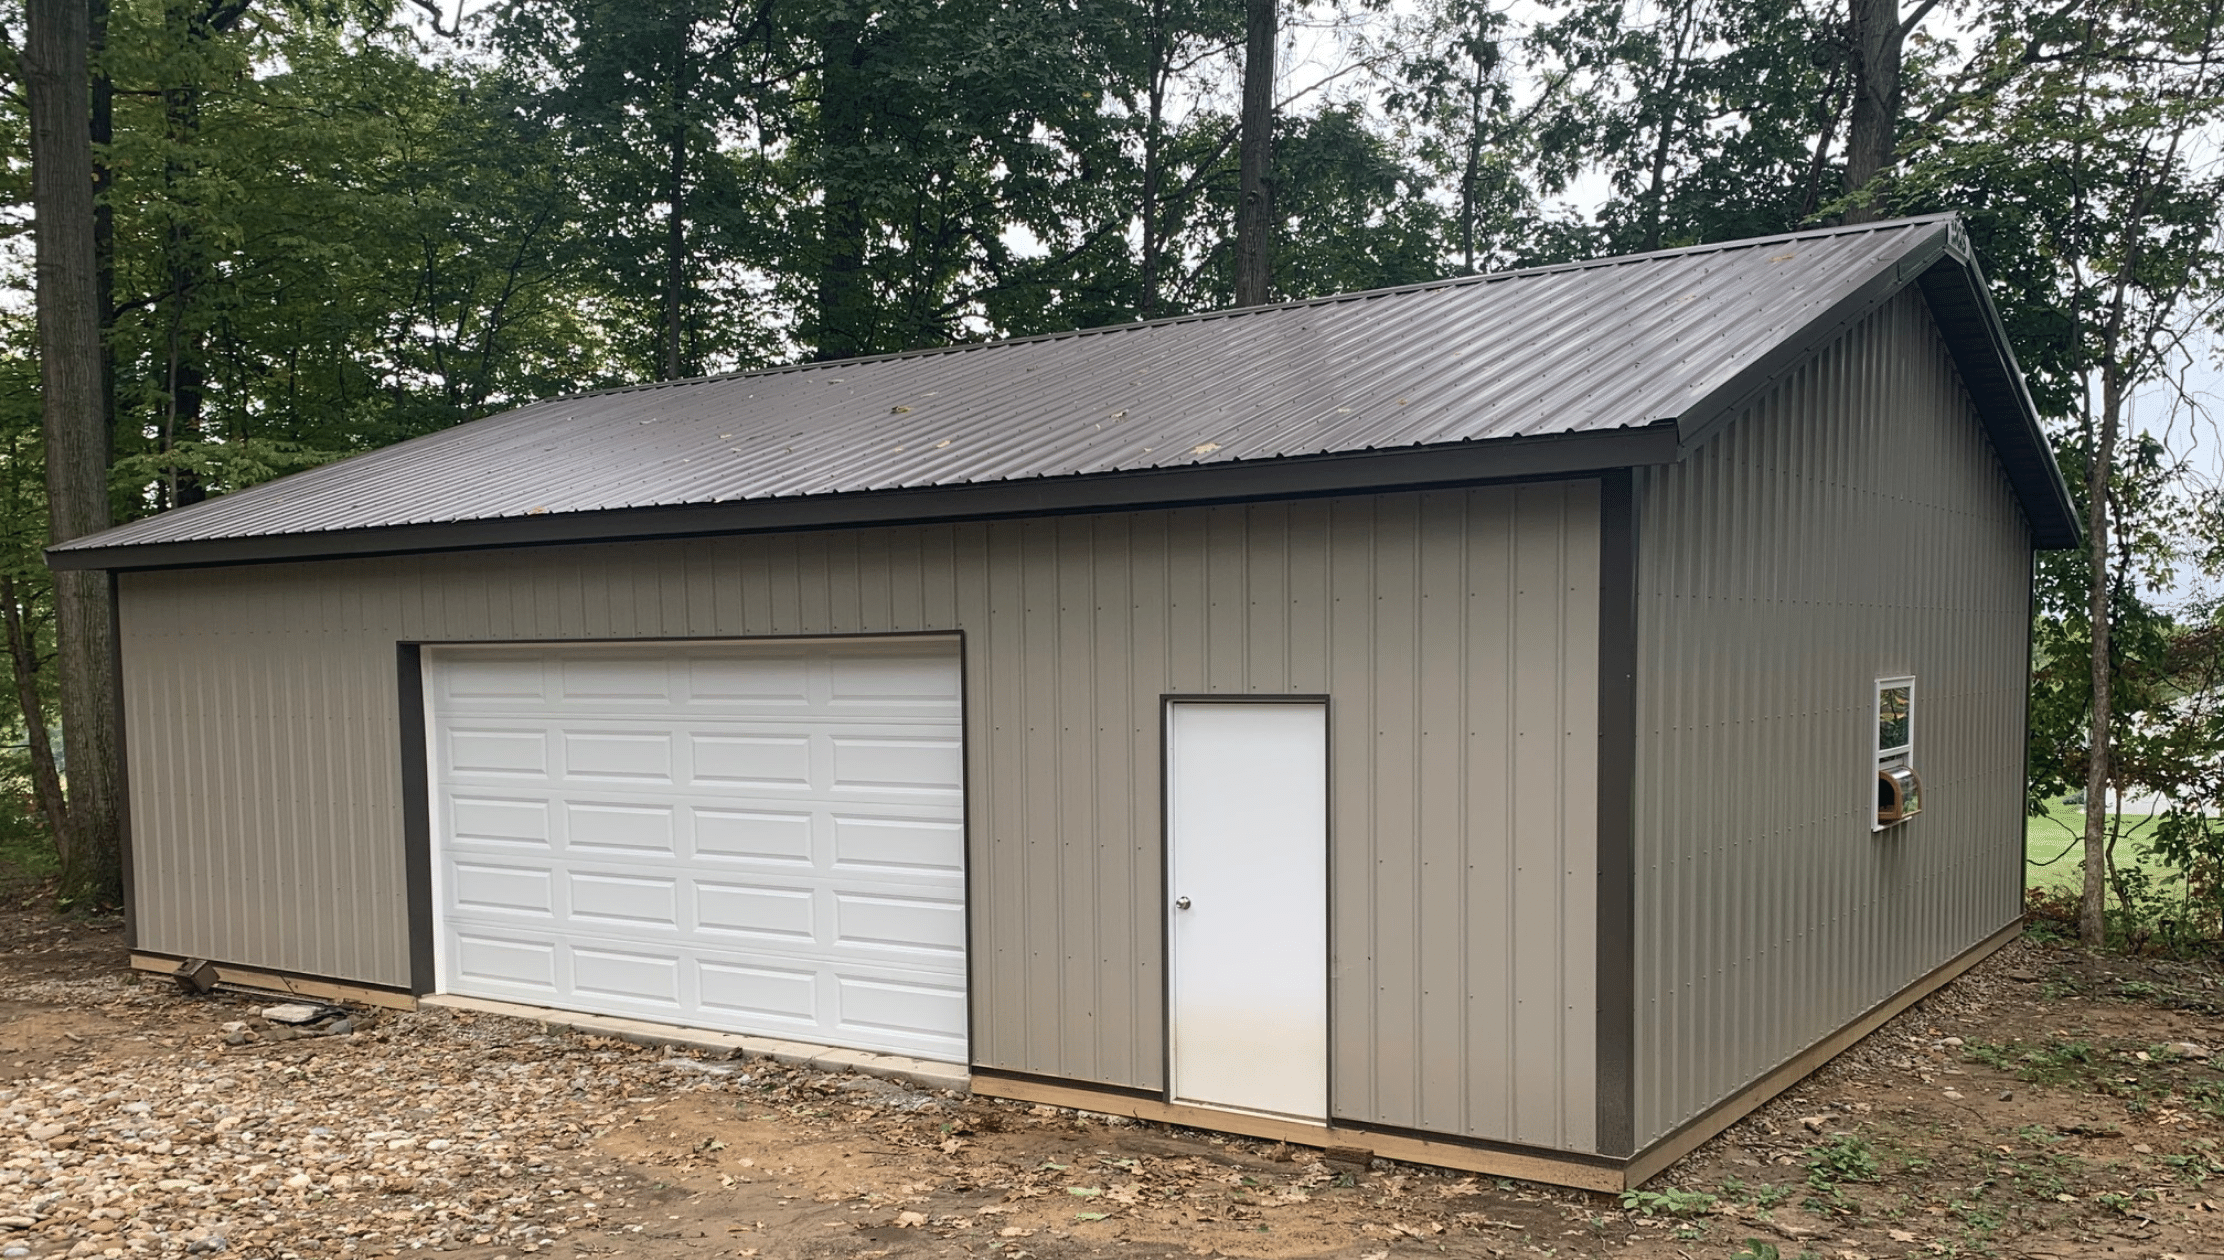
1902,754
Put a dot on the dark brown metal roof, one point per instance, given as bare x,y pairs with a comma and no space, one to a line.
1593,365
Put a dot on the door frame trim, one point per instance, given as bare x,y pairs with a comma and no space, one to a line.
1167,703
417,749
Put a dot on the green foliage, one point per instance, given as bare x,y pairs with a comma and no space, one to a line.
1849,1158
1757,1249
1683,1203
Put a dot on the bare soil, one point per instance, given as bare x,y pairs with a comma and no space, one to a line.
2050,1103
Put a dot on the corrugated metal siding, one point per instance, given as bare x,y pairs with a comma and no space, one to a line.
1610,344
1853,525
1454,632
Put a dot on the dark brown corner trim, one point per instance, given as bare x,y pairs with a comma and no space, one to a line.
1614,817
419,879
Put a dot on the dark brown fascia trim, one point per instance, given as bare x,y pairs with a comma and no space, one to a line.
1410,468
1576,1159
1960,301
1614,819
419,874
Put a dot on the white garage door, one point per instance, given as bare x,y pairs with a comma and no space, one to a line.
759,838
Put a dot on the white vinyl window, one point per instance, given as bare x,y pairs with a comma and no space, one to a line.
1897,784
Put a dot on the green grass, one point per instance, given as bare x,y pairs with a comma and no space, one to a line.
2058,830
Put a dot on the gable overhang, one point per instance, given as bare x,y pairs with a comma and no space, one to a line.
1944,270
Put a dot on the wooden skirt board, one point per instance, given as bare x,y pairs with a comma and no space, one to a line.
282,983
1582,1172
1585,1173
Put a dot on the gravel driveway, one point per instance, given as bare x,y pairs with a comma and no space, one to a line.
2046,1104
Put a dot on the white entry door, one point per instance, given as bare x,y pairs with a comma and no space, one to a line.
751,837
1249,942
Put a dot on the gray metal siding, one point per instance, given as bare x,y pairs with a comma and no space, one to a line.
1855,524
1455,632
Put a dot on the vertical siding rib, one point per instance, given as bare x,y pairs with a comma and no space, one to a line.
1854,524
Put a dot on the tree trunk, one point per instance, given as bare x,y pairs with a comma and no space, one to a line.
1877,40
68,295
104,218
672,279
1147,304
1256,152
2092,927
23,662
841,326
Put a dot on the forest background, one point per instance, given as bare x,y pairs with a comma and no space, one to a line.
327,225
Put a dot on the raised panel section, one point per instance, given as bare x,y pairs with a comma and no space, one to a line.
511,889
643,828
627,899
742,761
756,910
514,753
764,835
897,765
897,844
501,820
618,756
900,923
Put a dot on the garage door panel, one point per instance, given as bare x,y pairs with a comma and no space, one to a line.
872,764
765,762
509,753
613,826
623,899
521,965
874,1004
760,993
880,843
477,886
751,834
615,679
749,838
608,756
766,910
915,924
499,820
641,977
739,680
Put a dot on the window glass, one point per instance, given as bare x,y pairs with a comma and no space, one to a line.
1895,718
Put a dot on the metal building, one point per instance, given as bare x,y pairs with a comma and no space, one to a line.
1520,723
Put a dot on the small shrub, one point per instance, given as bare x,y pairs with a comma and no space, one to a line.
1848,1158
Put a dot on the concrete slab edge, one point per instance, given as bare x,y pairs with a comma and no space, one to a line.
923,1073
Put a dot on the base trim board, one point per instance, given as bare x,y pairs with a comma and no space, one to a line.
1671,1148
1552,1168
285,983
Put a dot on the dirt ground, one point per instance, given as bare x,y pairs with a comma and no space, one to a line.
2047,1104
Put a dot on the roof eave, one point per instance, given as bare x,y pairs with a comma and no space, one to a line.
1357,472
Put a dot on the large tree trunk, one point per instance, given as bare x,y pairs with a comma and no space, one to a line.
1877,39
673,303
23,664
840,327
1256,152
68,295
1147,304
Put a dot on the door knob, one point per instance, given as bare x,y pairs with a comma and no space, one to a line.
1182,903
